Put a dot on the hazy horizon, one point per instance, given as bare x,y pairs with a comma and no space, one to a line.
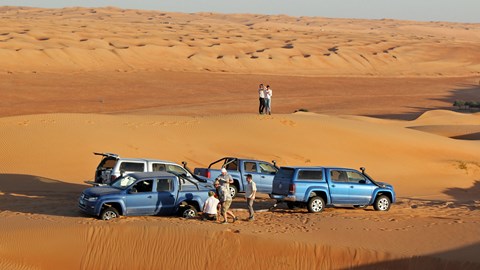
423,10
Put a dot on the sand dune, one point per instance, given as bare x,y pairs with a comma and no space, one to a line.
104,39
438,187
182,87
326,140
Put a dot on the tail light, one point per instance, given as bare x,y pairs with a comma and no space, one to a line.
208,174
291,189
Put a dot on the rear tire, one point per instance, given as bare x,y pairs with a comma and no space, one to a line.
315,205
233,191
109,213
189,211
382,203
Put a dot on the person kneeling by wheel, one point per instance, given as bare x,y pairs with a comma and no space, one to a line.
210,207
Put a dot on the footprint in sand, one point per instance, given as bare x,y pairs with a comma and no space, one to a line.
287,122
24,123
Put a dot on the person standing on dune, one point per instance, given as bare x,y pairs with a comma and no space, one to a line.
261,99
268,100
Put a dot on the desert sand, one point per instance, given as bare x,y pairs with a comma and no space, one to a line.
161,85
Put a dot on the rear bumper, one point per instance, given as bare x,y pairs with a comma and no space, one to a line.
283,198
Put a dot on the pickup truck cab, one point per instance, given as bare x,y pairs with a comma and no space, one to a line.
113,166
317,187
151,193
262,173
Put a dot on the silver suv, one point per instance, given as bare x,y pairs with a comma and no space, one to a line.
112,166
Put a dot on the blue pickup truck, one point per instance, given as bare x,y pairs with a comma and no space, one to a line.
145,193
317,187
262,173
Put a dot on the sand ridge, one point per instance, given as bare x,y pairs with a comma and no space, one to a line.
395,151
111,39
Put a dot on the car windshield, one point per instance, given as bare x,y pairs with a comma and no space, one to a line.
123,182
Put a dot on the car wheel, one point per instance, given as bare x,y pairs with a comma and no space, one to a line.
189,212
109,213
233,191
315,204
382,203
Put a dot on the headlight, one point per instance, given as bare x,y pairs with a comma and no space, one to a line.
92,199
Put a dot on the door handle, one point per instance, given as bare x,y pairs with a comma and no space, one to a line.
333,185
149,197
263,176
351,186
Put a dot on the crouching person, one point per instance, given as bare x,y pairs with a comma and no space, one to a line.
210,207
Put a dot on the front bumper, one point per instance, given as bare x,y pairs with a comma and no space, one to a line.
87,207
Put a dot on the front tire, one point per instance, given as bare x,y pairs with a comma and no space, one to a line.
315,205
382,203
109,213
189,212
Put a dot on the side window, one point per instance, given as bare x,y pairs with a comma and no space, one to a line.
310,175
107,163
143,186
338,176
158,167
165,184
176,169
132,167
233,166
267,168
250,167
354,177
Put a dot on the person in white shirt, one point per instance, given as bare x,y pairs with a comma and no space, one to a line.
268,100
210,208
261,98
250,193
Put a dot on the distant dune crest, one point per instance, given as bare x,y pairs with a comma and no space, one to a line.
112,39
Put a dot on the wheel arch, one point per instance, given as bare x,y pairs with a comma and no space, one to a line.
380,193
117,205
237,183
192,202
318,192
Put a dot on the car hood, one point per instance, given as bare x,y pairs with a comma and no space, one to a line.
385,185
99,191
202,179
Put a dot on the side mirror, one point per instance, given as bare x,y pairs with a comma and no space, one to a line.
362,182
132,191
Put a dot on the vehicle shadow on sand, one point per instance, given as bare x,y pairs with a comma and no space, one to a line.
39,195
